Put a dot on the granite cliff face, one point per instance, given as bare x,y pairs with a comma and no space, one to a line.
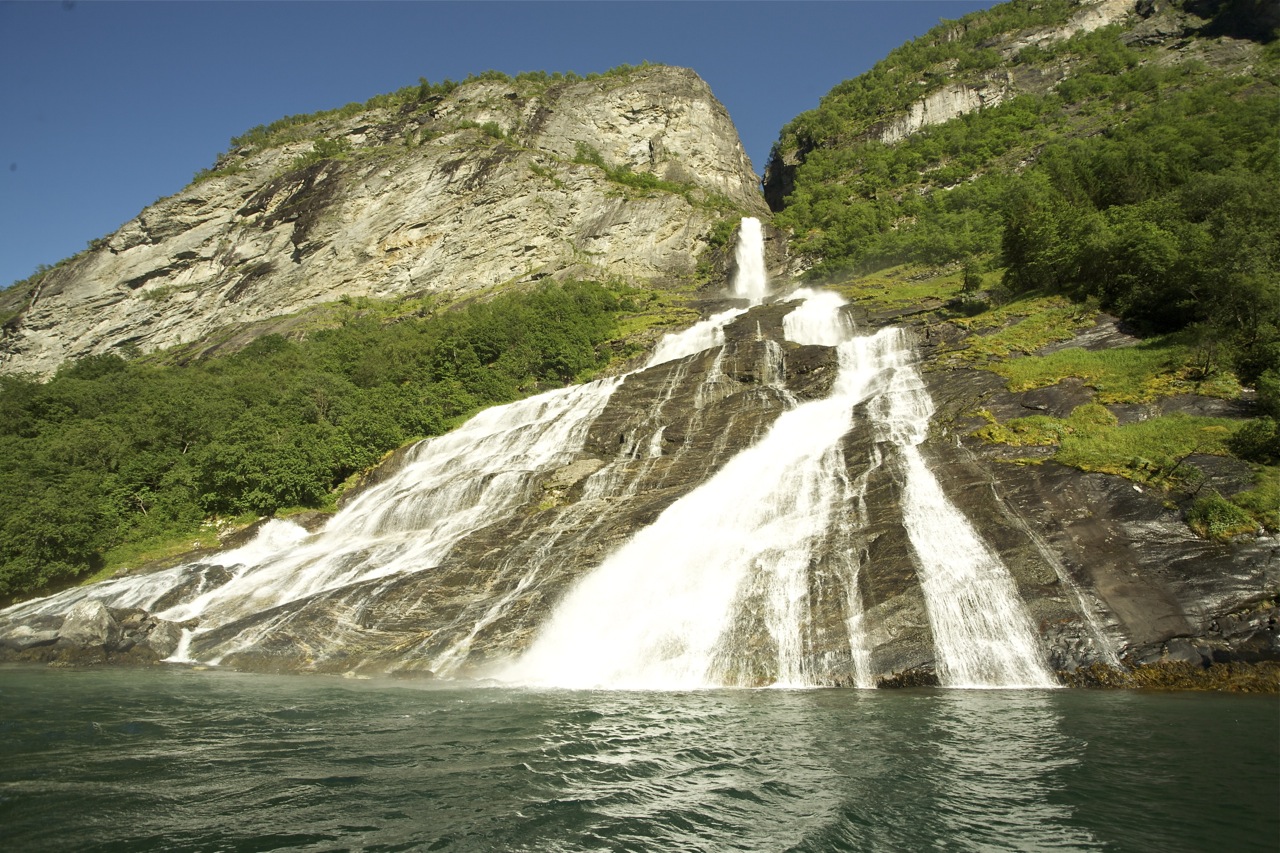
494,183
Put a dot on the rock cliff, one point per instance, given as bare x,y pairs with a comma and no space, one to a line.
494,183
990,88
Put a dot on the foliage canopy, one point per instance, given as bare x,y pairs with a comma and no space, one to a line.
110,452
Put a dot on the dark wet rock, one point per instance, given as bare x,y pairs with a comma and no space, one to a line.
921,676
196,579
1223,474
1127,565
1132,413
1203,407
90,634
1056,400
380,473
1108,332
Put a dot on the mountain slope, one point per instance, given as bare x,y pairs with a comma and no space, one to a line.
920,158
447,188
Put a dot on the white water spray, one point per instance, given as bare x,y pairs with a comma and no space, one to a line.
660,613
982,633
751,280
700,336
451,485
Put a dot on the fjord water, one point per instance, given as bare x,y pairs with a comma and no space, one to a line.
182,760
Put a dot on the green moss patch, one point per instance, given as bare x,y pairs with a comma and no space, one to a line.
1159,367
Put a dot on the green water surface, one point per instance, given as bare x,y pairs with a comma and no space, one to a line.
178,759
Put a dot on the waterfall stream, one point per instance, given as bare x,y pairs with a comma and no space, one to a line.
752,576
664,611
751,280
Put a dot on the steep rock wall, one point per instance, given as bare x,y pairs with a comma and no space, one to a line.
492,184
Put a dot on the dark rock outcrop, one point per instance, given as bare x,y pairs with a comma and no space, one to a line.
89,633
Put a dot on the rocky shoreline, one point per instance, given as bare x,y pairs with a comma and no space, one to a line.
93,635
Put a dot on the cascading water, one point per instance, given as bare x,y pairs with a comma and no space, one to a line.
664,611
449,486
659,613
751,280
745,569
982,633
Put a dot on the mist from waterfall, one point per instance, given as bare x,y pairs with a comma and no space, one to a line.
751,280
664,611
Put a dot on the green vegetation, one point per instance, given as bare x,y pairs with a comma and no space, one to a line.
1149,188
322,149
1215,517
912,70
1152,452
587,156
1023,326
1145,183
113,458
1157,367
218,172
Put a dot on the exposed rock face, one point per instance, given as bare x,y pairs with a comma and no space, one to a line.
1119,554
993,87
428,200
90,633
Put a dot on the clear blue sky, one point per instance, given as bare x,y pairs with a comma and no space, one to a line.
106,107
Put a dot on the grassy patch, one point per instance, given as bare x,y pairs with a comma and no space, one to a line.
1152,452
902,286
1155,368
1263,500
1090,439
652,312
225,171
133,554
1022,326
1148,451
1215,517
1046,431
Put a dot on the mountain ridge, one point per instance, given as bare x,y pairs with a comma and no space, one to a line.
447,189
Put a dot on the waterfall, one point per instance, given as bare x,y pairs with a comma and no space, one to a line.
983,635
446,488
748,575
660,612
751,280
700,336
666,610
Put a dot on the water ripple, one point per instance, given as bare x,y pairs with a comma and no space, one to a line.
214,761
